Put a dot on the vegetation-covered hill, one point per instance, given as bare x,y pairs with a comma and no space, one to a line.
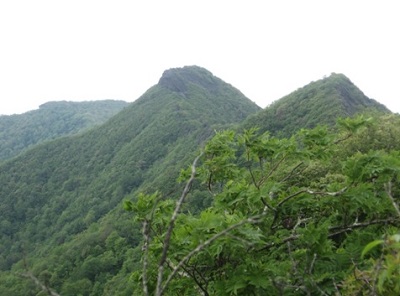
260,216
50,195
50,121
319,102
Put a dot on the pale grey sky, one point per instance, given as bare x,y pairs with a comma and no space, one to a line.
91,50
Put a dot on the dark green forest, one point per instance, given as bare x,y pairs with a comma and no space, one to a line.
52,120
194,190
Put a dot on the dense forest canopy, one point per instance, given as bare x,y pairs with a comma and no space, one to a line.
268,207
50,121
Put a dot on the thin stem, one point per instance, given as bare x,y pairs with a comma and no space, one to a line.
388,189
146,235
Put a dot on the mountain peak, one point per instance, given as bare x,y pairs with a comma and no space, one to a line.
319,102
178,79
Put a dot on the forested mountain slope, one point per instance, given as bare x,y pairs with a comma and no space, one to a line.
61,216
319,102
50,121
52,196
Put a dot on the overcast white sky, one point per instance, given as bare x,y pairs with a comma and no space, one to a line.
91,50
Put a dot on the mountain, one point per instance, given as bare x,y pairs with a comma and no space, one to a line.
50,121
319,102
60,202
61,216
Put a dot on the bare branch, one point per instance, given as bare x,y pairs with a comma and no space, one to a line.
287,239
267,205
336,288
337,229
312,264
145,249
311,192
171,226
388,189
253,178
341,191
341,229
147,227
290,197
292,171
42,286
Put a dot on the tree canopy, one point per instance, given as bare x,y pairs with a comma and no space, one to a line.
305,215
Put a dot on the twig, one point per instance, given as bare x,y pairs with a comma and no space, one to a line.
310,269
273,169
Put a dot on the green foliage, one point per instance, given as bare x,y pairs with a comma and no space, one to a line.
274,226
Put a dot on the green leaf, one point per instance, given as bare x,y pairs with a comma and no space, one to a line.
370,246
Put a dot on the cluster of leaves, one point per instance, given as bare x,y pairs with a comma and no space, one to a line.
52,120
288,217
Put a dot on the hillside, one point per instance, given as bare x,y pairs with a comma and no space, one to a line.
61,215
50,121
52,197
319,102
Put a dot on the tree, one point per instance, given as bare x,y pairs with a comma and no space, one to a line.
288,216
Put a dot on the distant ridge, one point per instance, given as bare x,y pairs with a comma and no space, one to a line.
319,102
52,120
